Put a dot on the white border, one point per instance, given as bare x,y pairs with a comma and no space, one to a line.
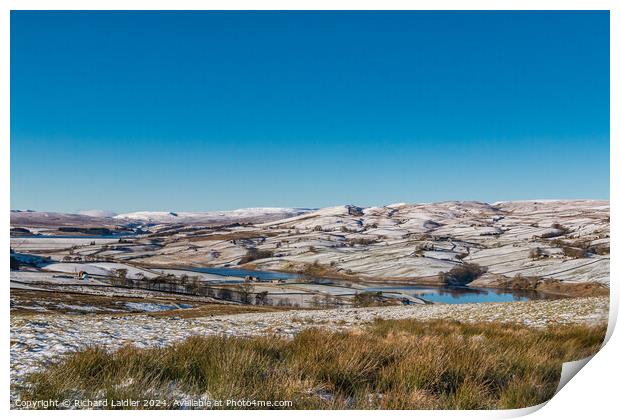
592,394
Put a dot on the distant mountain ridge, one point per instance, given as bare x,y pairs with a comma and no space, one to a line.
259,214
262,213
99,217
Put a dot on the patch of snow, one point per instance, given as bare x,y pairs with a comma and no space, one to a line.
97,213
153,307
211,216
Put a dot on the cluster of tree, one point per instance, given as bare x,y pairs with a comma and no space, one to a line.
580,249
253,254
246,294
314,270
325,300
558,230
15,264
361,241
243,293
368,299
462,274
86,258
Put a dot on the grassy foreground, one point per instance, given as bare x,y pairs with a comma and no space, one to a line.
403,364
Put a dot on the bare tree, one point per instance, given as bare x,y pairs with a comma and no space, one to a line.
246,291
120,277
192,285
261,297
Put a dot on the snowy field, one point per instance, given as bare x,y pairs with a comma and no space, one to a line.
38,341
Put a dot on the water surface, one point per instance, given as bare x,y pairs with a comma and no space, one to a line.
432,293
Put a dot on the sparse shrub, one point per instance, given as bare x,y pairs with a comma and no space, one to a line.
361,241
574,252
600,249
535,253
581,248
520,282
425,246
391,364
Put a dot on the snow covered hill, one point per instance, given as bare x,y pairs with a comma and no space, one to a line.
563,240
104,218
258,214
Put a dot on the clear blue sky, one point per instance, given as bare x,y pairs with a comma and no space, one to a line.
217,110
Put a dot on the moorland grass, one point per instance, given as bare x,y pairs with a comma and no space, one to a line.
395,364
